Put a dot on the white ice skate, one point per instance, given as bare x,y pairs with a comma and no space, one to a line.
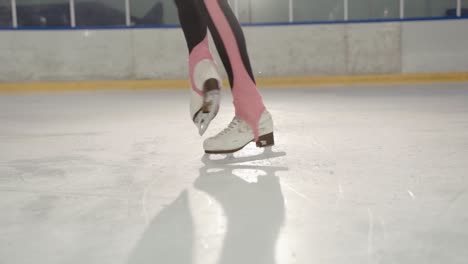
238,134
205,96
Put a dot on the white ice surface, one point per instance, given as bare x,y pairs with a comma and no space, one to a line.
358,175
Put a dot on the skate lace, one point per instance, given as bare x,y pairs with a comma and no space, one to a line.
234,123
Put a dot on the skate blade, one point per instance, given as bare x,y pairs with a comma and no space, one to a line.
231,159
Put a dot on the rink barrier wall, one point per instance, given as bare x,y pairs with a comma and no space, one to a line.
263,83
157,57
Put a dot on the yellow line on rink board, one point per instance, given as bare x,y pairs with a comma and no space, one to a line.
364,80
40,87
279,82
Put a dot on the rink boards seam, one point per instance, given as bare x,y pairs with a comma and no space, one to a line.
275,82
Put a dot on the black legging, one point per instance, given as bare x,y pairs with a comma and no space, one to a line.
195,21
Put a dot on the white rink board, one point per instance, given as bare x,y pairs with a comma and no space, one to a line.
65,55
435,46
373,48
297,51
275,51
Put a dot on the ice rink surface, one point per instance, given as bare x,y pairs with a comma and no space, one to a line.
358,175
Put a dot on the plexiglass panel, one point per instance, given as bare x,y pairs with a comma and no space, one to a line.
430,8
374,9
150,12
100,12
464,8
5,13
43,13
263,11
318,10
56,13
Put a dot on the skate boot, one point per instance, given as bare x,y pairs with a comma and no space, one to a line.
238,134
206,87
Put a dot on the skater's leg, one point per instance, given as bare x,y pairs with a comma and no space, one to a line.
230,42
252,122
204,77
